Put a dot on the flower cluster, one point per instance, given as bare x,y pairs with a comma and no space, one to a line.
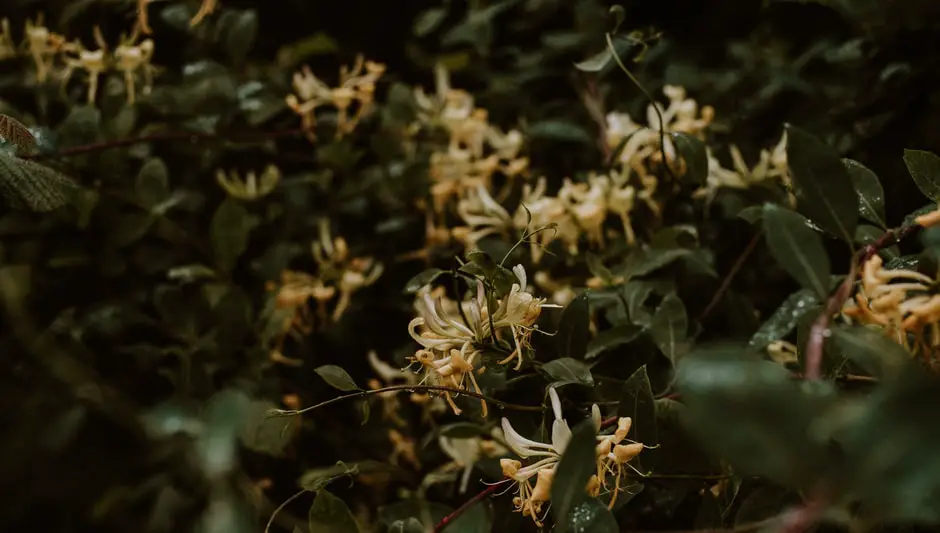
772,166
612,457
54,56
356,86
903,303
452,334
337,273
251,187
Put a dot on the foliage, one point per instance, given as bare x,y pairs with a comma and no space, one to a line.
467,267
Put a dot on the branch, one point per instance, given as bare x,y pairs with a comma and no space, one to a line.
482,495
820,329
409,388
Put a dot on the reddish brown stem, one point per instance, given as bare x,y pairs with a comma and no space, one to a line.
820,328
447,520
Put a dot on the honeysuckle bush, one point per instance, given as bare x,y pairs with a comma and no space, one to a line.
541,266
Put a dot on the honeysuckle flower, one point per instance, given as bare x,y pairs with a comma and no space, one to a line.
454,370
249,188
771,166
465,452
587,202
403,448
543,211
612,456
483,216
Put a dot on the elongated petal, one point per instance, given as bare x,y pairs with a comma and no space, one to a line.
522,446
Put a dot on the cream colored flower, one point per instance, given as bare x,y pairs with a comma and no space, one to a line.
249,188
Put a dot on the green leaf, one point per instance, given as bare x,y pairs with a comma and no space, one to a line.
596,267
784,319
428,21
636,401
422,279
568,370
152,186
824,189
669,327
231,228
692,151
559,130
408,525
267,434
871,196
643,261
572,473
314,480
574,328
329,514
752,413
590,516
924,167
337,378
872,350
596,62
797,248
30,186
610,338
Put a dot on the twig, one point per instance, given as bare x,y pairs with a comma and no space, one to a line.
820,329
267,528
726,283
410,388
171,136
482,495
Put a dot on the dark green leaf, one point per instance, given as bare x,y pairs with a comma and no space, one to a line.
610,338
574,328
567,370
422,279
824,189
596,267
797,248
267,434
152,185
636,401
590,516
476,519
408,525
337,378
669,327
692,151
230,231
329,514
753,414
31,186
595,63
559,130
784,319
925,169
872,350
572,473
429,21
644,261
871,196
241,29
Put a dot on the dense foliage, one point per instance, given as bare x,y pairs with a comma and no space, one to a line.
468,266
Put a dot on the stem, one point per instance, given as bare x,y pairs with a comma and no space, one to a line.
463,508
410,388
267,528
726,283
820,329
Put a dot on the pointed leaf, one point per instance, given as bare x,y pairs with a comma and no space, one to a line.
329,514
871,196
669,327
590,516
824,189
572,473
568,370
613,337
872,350
924,167
636,401
422,279
230,231
152,185
337,378
595,63
785,318
797,248
692,151
574,328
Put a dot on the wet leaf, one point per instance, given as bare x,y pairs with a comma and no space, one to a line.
872,350
574,329
692,151
797,248
785,318
572,474
567,370
669,327
636,401
924,168
825,192
329,514
337,378
611,338
590,516
871,196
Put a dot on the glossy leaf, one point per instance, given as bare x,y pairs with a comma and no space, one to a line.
572,473
419,281
669,327
825,193
574,328
568,370
337,378
329,514
871,196
924,168
590,516
692,151
785,318
636,401
797,248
